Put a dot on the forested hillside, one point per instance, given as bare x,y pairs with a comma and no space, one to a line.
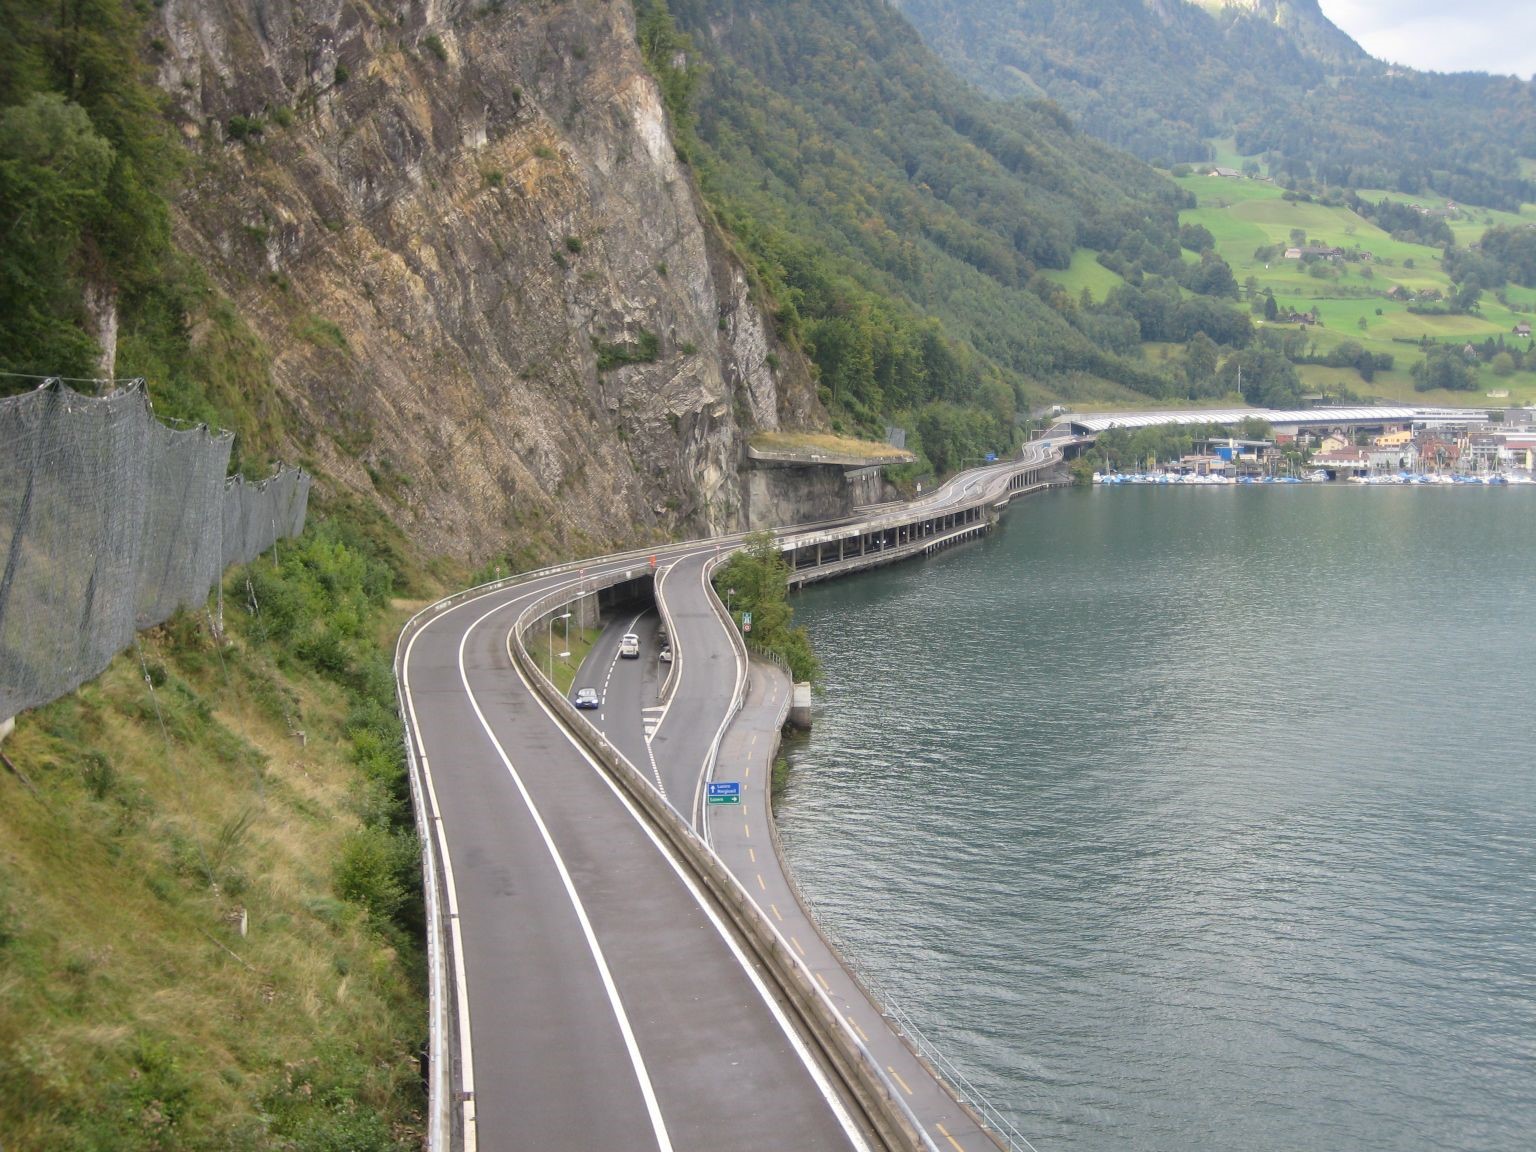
900,222
1276,81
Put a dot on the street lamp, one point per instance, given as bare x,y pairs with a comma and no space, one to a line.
567,618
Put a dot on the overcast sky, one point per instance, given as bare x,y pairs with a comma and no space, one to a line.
1496,36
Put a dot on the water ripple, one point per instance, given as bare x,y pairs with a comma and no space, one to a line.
1198,823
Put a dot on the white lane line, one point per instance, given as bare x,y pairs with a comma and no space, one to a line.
812,1067
636,1060
651,718
461,981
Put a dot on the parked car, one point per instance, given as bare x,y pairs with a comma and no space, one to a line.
587,698
629,646
665,655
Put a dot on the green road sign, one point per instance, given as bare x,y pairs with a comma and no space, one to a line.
724,799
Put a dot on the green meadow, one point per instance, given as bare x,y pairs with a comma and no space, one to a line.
1351,297
1085,271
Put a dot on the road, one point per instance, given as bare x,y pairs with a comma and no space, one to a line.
597,999
607,1006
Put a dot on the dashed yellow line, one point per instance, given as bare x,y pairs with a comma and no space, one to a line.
763,887
752,855
747,829
944,1133
823,980
776,913
896,1076
747,772
797,945
857,1029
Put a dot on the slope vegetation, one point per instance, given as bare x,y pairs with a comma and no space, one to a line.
1167,80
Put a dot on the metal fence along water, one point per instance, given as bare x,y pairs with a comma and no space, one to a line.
109,522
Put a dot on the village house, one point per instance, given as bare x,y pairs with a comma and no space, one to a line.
1523,328
1342,461
1314,252
1225,173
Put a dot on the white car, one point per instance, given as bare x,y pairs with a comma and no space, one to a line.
665,655
629,646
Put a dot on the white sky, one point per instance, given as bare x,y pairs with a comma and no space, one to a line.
1497,36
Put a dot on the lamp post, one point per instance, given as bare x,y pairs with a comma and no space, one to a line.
567,618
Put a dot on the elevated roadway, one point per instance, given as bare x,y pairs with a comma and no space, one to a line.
599,978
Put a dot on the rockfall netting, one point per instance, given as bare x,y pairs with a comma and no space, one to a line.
109,522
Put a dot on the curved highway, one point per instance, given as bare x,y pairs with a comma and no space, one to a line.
594,992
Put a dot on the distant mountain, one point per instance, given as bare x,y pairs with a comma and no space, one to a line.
1168,79
1301,20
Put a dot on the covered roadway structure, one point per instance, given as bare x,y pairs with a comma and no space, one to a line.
1364,416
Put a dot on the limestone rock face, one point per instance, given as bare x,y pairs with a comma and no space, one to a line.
491,297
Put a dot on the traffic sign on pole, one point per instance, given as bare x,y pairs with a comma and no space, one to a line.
724,792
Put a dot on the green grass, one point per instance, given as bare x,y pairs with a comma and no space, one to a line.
1244,215
147,821
562,669
1085,271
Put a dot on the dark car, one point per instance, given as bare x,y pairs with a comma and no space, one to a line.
587,698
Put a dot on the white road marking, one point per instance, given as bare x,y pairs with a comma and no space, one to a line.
819,1077
637,1061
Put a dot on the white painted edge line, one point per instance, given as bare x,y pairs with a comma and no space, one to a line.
433,814
738,697
637,1061
834,1101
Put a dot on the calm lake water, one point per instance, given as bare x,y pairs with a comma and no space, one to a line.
1197,819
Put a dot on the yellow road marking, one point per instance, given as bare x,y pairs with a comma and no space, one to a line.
754,737
747,773
944,1133
823,980
760,883
752,855
796,943
747,828
859,1030
777,914
896,1076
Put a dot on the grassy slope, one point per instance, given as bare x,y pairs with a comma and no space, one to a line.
1244,215
133,1014
1085,271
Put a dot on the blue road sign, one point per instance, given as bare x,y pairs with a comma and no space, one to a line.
725,788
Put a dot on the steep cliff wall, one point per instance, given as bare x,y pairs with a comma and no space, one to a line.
484,277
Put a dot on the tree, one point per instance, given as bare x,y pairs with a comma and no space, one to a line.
1268,379
756,579
54,169
1445,368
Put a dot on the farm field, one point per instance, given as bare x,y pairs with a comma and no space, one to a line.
1351,297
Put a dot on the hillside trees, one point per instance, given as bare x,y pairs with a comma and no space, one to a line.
897,223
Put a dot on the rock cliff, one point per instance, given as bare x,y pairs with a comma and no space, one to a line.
490,293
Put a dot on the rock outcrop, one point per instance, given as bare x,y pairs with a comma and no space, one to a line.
490,293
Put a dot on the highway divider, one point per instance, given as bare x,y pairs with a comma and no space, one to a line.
880,1105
